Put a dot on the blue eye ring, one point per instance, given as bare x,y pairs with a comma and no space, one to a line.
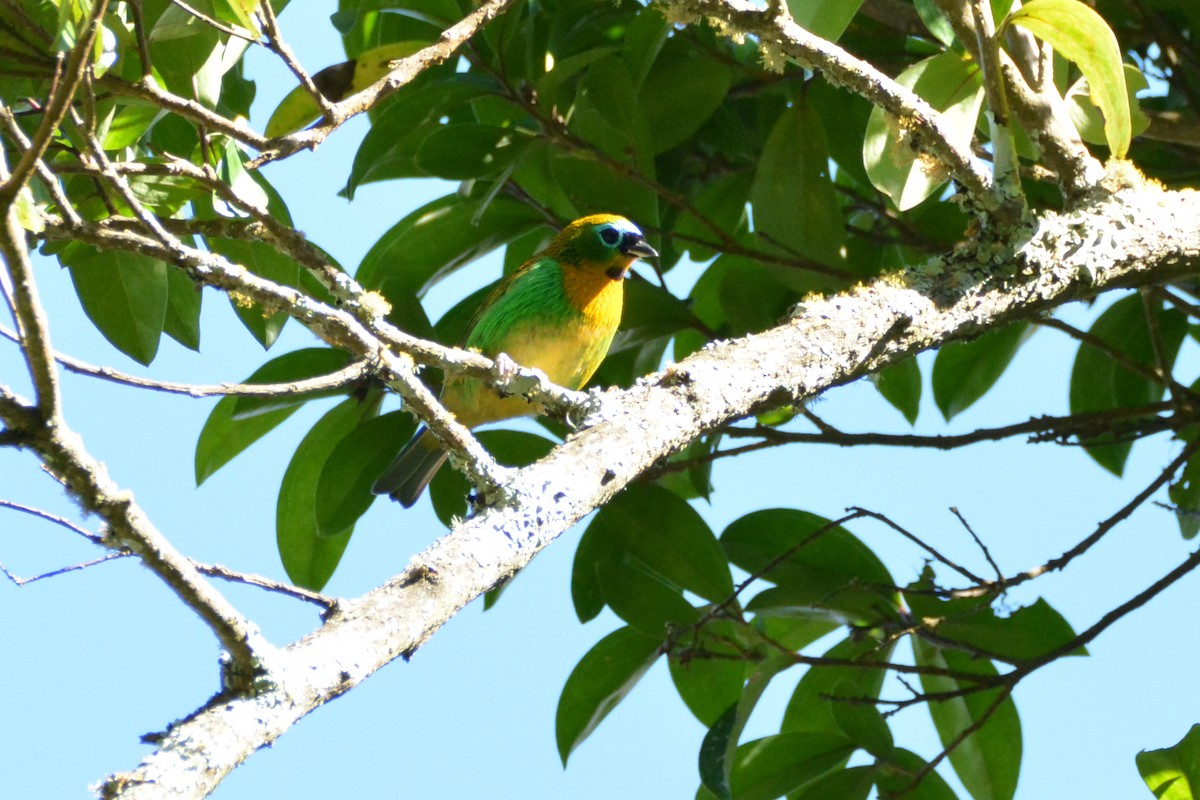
610,236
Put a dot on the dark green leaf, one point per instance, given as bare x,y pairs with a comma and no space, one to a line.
642,599
988,761
821,569
594,187
825,18
937,24
810,708
237,422
123,294
897,774
715,764
862,724
708,686
963,372
900,385
1185,494
390,148
440,237
1099,383
297,365
678,96
662,532
309,557
794,201
1173,773
1027,633
777,765
601,680
344,486
468,150
182,320
854,783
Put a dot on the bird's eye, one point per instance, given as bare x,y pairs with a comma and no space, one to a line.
610,236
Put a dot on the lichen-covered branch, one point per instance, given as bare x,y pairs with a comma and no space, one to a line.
826,342
779,38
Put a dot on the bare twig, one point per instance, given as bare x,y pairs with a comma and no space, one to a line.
94,538
986,553
349,374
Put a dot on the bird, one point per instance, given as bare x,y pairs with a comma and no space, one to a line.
557,313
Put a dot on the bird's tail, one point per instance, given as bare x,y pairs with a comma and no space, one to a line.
412,470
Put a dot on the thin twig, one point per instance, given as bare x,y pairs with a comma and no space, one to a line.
986,553
345,376
94,538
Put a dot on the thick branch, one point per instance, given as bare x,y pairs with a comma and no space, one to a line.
1137,237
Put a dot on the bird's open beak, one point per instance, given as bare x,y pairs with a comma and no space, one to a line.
639,248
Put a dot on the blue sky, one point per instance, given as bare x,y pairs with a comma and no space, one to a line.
98,657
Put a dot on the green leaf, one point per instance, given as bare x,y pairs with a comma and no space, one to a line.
601,680
642,599
678,96
437,239
822,570
1099,383
1027,633
182,320
854,783
863,724
309,557
708,686
794,201
595,188
963,372
344,486
1184,492
900,385
297,365
469,150
264,261
988,761
449,489
238,422
788,762
1082,36
129,125
811,706
896,775
123,294
937,24
721,202
661,532
1087,117
825,18
390,148
715,762
1173,773
953,85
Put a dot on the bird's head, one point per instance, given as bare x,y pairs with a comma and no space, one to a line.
604,242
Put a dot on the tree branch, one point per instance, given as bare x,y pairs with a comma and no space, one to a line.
1105,244
780,37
